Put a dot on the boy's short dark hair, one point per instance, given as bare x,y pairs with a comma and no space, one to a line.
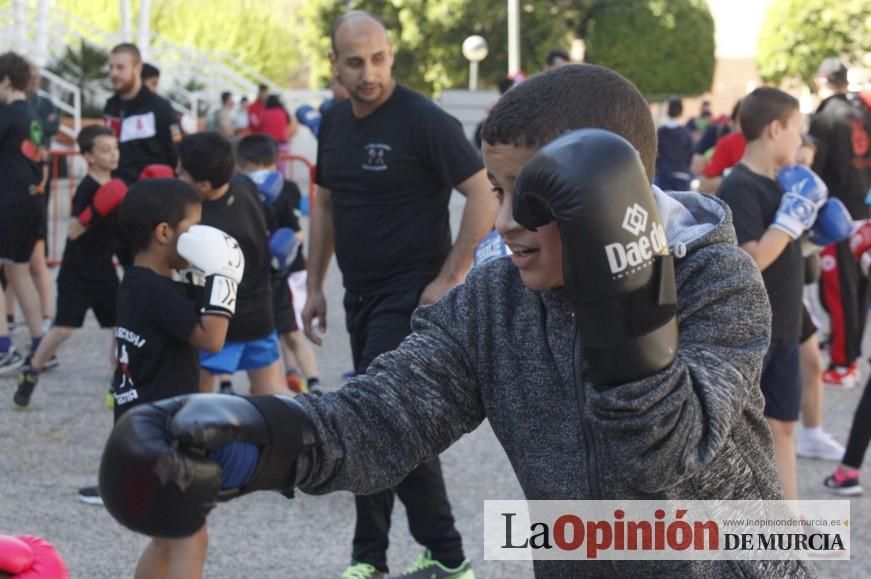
152,202
225,96
551,57
257,150
208,157
88,136
16,68
763,106
149,71
675,108
574,96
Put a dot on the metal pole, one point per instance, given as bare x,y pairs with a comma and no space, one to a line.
473,75
42,11
513,36
144,39
19,26
125,21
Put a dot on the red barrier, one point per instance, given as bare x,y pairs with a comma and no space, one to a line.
288,161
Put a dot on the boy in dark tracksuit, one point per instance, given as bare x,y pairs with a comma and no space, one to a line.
679,418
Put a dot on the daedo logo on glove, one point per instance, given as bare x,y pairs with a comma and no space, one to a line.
639,253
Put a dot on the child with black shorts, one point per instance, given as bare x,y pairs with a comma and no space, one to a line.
230,203
769,224
256,156
159,330
20,213
87,279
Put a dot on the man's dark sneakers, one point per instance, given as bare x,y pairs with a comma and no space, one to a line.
27,381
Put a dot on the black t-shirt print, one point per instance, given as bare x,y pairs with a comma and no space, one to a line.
754,199
155,360
87,259
391,174
20,139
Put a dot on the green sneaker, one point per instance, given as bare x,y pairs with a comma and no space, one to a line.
428,568
362,571
27,381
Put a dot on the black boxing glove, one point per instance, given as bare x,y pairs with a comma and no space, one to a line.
618,273
155,474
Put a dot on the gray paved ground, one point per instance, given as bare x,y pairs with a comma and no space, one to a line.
51,450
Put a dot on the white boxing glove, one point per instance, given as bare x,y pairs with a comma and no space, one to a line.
222,262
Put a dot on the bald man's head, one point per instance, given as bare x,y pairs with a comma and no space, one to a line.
356,19
362,59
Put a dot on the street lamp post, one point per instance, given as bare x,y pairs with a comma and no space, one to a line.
475,50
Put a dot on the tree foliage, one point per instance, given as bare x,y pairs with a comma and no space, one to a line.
428,36
666,47
84,65
798,34
260,33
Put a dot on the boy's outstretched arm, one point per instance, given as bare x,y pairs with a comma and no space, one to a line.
411,405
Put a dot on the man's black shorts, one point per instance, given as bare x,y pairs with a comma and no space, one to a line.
20,226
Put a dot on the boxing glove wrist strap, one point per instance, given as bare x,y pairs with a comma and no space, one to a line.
633,360
290,431
615,321
219,296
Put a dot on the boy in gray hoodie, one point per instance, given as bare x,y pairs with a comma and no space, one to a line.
664,404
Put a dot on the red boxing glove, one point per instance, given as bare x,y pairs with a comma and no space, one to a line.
105,201
157,171
29,557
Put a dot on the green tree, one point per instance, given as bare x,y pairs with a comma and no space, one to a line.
85,67
666,47
260,33
798,34
428,36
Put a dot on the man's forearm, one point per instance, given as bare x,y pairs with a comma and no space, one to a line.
478,218
321,239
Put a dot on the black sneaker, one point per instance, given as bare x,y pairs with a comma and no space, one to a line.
90,496
27,381
10,361
226,387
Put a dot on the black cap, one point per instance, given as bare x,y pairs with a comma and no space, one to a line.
833,70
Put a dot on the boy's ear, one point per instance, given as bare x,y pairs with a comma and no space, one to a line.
163,233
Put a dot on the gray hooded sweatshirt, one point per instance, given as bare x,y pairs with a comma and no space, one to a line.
494,349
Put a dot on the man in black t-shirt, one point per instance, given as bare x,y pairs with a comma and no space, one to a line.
388,159
842,127
20,207
87,278
231,204
768,224
146,124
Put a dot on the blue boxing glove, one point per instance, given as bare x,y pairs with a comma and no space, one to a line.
833,224
309,116
269,184
804,195
283,247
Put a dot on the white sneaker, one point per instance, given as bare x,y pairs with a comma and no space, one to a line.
821,446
